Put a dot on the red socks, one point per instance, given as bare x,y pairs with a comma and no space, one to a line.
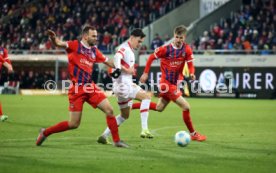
188,121
113,127
137,106
1,113
60,127
63,126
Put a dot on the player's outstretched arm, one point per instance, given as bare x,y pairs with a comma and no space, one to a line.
56,41
109,63
145,75
8,66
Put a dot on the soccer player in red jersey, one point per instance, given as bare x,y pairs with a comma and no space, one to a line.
173,58
4,60
81,56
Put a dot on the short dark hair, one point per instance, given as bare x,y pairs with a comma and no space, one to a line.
179,30
86,29
137,32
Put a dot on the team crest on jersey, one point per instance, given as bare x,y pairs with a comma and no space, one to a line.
122,49
156,50
93,55
183,53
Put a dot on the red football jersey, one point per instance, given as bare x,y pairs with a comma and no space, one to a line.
173,61
81,60
3,56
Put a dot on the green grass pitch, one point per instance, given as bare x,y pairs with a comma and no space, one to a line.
241,138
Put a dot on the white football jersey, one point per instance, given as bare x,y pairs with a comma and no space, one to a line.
128,61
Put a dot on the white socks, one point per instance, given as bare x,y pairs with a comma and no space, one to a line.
144,111
119,120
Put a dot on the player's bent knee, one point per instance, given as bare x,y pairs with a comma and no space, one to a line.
74,125
108,111
186,107
159,109
147,96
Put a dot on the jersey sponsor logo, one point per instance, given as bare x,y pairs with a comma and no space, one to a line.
175,63
85,62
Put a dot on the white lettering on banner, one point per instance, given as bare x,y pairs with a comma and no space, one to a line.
159,76
235,61
257,81
231,59
257,77
220,78
206,60
268,81
237,80
222,88
151,78
259,60
246,79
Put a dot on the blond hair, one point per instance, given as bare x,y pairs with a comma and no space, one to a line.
179,30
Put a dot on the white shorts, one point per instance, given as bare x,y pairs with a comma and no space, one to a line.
125,92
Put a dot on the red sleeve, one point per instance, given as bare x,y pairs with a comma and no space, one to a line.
189,59
5,57
72,45
100,57
159,52
149,62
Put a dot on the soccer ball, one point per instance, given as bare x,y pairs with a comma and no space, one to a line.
182,138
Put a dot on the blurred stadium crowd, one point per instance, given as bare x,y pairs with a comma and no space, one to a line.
113,19
250,28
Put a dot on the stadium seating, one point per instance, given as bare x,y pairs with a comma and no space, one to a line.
250,28
113,20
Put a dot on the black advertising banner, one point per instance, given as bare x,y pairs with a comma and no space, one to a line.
236,82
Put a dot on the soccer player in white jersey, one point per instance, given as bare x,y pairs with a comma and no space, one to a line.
125,89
